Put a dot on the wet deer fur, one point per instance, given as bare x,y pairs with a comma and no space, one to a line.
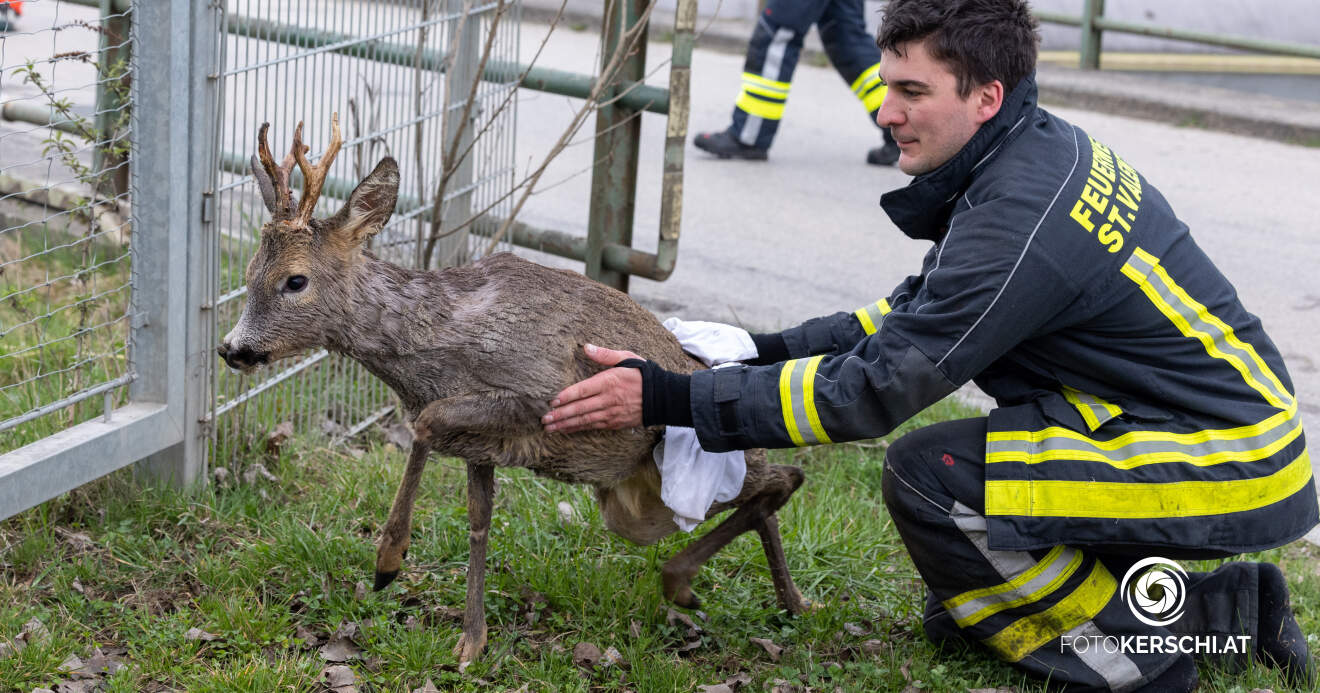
475,354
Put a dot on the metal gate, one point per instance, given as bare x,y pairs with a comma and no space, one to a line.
399,75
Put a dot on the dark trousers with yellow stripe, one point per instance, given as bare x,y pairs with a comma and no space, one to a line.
772,55
1023,605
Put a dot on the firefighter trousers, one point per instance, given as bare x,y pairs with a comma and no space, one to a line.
772,55
1055,613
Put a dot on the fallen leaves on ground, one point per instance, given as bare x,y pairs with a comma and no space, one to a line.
428,687
275,439
342,646
586,655
1001,689
770,647
340,678
730,685
199,634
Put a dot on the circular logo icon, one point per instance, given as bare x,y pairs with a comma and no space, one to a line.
1157,593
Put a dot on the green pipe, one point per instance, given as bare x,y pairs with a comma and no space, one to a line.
640,97
1240,42
616,257
38,115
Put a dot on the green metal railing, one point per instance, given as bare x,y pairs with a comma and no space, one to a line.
1093,24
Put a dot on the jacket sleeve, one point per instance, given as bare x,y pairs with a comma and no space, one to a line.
837,333
987,289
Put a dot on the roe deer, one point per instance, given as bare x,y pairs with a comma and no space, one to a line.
475,354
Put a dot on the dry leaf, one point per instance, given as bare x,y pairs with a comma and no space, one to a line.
333,428
360,590
1001,689
717,688
673,617
854,629
42,690
427,688
199,634
904,670
99,664
770,648
1262,690
6,650
221,476
71,663
635,629
33,632
341,646
911,688
278,435
340,678
411,624
874,647
613,658
255,471
567,514
78,541
738,680
782,686
310,637
586,655
82,686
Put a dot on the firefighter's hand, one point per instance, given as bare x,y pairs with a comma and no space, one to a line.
610,399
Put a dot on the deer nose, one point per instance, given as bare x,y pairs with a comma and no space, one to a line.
242,357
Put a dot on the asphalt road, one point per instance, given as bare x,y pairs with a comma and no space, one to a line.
768,245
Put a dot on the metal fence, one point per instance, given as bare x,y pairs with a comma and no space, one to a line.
375,63
108,327
66,264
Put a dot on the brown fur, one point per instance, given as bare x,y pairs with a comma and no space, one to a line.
475,354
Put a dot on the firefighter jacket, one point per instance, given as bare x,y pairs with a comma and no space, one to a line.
1138,401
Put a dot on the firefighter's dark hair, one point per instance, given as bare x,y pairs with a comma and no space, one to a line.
980,40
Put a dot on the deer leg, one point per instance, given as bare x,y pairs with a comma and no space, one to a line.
481,491
677,573
789,596
397,533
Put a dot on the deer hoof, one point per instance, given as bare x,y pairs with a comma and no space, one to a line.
678,589
469,647
384,579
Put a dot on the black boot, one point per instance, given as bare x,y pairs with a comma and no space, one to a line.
886,155
726,146
1280,641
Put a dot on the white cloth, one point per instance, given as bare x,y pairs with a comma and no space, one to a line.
691,479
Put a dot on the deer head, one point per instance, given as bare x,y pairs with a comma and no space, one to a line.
301,279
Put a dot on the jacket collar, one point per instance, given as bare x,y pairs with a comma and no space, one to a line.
921,209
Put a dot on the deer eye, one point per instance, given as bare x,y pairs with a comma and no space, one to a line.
295,283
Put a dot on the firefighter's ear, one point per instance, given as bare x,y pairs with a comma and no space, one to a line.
986,100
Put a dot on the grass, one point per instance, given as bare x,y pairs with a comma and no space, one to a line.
261,564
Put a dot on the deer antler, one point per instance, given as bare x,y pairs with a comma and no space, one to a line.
314,176
281,201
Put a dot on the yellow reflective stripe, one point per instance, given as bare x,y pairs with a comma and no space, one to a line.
1088,407
875,98
1144,458
759,108
809,400
786,401
1028,633
1109,499
873,315
797,401
781,88
1198,437
1207,340
870,73
1070,565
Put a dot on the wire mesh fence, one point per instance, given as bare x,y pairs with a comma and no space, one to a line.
404,79
66,260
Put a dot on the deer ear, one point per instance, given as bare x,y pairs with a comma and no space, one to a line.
370,205
264,184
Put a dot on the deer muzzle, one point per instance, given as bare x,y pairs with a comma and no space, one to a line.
242,358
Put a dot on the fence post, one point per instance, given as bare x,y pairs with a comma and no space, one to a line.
172,115
618,136
1091,34
462,72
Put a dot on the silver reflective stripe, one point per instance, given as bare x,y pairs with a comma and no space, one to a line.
1141,452
1009,564
872,316
1141,261
1119,671
1057,569
774,60
798,400
1101,411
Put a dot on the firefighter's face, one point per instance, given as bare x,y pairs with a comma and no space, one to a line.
924,111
